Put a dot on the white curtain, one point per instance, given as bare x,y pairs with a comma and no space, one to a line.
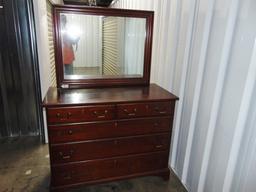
205,52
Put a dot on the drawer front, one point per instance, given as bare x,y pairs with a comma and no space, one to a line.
80,132
108,148
145,109
80,114
100,169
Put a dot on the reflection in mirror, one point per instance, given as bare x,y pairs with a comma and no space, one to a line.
102,47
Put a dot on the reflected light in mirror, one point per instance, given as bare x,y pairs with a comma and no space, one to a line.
74,77
73,32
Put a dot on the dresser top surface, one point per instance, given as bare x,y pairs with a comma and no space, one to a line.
71,97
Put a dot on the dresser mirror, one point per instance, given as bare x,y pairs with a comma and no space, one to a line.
102,46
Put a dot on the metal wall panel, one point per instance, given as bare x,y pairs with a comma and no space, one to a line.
110,46
20,87
51,43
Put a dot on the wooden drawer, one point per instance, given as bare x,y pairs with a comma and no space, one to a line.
108,148
145,109
99,130
107,168
80,114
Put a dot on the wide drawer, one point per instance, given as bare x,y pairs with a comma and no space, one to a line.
107,168
80,114
145,109
99,130
88,150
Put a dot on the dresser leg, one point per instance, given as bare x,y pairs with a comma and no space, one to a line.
165,175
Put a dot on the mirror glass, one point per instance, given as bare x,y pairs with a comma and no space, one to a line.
102,46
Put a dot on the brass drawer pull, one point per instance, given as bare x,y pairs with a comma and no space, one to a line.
65,157
70,132
58,115
100,115
69,114
130,113
160,112
67,177
159,146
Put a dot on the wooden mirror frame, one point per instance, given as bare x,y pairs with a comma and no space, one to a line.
103,82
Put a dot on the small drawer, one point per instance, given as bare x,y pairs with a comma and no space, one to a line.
80,114
100,169
145,126
107,148
109,129
80,132
145,109
162,108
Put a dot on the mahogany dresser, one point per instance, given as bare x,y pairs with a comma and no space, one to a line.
105,134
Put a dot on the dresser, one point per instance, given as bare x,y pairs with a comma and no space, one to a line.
105,134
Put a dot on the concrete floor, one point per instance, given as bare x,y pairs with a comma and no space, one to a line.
24,167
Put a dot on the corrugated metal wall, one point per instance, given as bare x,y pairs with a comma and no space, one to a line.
205,52
110,43
19,79
51,43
